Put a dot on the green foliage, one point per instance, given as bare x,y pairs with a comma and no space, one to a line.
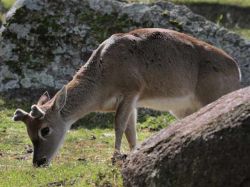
219,19
156,123
7,3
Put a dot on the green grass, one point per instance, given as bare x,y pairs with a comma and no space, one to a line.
245,33
82,161
7,3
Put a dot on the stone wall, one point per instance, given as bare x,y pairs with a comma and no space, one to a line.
44,42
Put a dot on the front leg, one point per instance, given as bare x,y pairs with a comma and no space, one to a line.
123,113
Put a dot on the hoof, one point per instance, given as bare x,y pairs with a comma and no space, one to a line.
118,158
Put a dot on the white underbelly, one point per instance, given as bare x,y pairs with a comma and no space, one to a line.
161,104
167,104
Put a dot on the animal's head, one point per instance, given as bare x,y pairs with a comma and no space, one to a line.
45,126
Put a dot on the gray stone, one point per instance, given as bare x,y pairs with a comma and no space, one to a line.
44,42
12,84
208,148
21,30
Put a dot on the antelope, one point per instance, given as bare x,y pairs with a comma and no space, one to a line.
152,68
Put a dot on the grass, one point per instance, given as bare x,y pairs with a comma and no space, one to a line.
84,160
245,33
7,3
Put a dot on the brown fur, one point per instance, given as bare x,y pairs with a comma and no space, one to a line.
155,68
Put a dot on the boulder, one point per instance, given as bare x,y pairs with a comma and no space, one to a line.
43,43
209,148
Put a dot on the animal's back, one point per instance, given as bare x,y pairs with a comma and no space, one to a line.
162,64
168,57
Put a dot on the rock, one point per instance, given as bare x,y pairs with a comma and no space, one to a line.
208,148
43,43
230,16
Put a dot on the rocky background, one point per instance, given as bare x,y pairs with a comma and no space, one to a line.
43,43
230,16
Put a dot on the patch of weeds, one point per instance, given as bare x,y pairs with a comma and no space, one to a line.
157,123
106,178
65,182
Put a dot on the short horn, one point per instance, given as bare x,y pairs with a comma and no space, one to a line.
20,115
36,112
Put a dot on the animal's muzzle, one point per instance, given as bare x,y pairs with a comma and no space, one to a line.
43,162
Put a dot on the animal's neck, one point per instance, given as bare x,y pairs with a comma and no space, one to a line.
81,98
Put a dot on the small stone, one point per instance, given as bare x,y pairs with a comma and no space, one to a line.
82,159
28,149
93,137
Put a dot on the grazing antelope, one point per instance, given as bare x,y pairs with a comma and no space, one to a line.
152,68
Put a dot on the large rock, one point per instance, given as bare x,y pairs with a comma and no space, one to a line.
44,42
209,148
230,16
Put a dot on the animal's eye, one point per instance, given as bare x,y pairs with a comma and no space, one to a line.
45,132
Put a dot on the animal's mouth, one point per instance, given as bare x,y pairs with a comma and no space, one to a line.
43,162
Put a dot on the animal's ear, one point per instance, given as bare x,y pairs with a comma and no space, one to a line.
60,100
20,115
44,99
36,112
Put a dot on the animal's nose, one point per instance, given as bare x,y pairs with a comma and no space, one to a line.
41,162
